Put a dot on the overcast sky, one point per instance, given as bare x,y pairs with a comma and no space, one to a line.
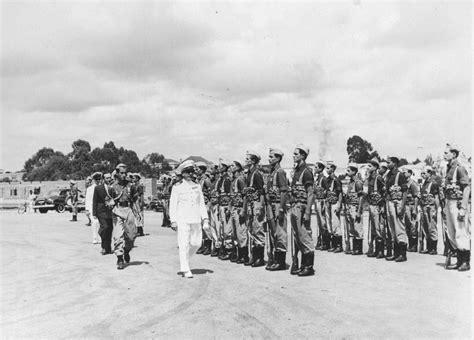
217,79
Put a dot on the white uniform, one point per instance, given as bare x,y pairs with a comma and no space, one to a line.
94,221
187,210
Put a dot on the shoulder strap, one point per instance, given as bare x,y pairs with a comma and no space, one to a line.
397,176
455,175
251,178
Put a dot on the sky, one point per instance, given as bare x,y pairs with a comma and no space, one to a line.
217,78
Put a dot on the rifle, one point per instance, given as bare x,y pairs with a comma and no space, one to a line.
270,226
346,219
421,233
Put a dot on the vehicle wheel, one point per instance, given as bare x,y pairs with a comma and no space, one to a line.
22,209
43,210
60,208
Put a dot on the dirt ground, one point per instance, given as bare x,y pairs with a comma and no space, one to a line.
55,284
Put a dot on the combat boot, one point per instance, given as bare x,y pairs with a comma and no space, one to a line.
434,248
202,247
295,269
402,257
250,261
380,251
389,248
140,231
74,218
338,243
396,252
126,256
207,247
370,251
225,254
319,243
326,240
243,255
259,262
235,255
413,247
428,247
215,252
308,269
458,260
466,259
280,263
120,264
332,243
348,250
358,244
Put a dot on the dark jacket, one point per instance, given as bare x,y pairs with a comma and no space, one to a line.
99,209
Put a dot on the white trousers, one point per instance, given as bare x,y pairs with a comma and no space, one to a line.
95,229
189,241
459,233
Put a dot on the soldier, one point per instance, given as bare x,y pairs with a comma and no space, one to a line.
411,211
124,195
353,206
333,208
188,214
103,213
139,204
170,181
375,198
89,182
214,208
237,216
457,191
254,209
223,189
383,171
74,197
429,201
300,213
206,186
324,238
396,196
277,189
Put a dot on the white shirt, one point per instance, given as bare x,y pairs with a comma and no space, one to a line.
89,197
187,203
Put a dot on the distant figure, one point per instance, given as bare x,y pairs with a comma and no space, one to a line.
31,201
74,196
88,213
95,180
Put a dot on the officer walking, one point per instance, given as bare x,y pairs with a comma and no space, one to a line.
188,214
300,213
277,190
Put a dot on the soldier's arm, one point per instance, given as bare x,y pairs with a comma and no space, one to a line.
308,181
360,193
283,185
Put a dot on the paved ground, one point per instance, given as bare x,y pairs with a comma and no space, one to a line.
55,284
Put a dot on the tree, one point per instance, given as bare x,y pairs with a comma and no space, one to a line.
359,150
416,161
403,162
429,160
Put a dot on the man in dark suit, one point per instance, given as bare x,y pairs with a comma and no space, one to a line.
103,213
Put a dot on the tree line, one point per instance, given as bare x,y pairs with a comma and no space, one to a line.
49,165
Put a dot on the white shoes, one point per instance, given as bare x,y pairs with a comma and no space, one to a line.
188,274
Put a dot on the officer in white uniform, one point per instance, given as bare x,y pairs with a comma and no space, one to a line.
187,213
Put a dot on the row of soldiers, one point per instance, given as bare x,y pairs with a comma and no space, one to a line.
248,214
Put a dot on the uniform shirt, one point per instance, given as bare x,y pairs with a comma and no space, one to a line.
278,179
257,180
187,203
390,180
413,191
124,192
320,181
462,178
375,178
333,184
308,178
237,188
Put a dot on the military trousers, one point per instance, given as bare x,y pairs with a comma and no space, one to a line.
215,226
395,224
459,232
333,220
125,230
239,228
278,230
429,222
256,221
376,227
355,228
320,211
189,241
226,227
301,228
206,233
410,221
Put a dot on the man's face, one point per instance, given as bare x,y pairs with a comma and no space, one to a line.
448,155
350,172
122,173
248,161
371,168
297,156
222,168
272,159
329,170
382,170
424,175
108,179
407,174
391,164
